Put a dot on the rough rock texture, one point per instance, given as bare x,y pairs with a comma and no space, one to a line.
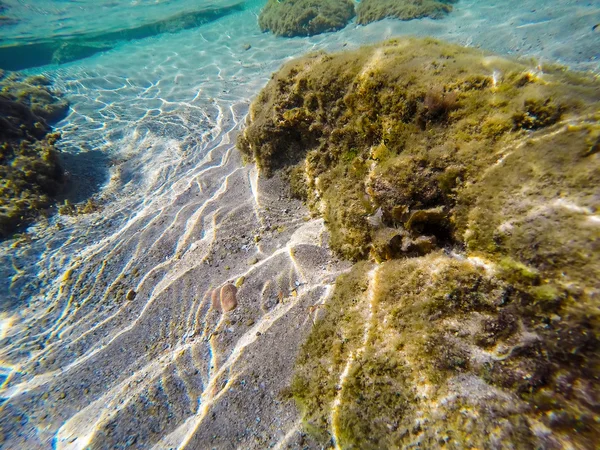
413,145
305,17
436,350
402,130
372,10
30,173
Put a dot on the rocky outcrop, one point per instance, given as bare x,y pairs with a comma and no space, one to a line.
368,11
467,184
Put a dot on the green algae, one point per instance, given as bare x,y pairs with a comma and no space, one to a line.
453,354
406,126
305,17
30,171
372,10
411,145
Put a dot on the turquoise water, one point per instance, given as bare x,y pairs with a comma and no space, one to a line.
156,102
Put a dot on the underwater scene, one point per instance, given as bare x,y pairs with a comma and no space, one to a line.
299,224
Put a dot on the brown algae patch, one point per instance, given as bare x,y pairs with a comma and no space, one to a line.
414,145
305,17
30,171
368,11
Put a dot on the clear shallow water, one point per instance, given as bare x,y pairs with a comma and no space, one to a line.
51,19
158,118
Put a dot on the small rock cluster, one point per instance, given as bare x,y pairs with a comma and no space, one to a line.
309,17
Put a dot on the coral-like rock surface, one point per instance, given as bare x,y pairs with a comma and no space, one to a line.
305,17
30,173
469,184
372,10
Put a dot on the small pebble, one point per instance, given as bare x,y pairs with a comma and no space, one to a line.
228,297
215,301
131,294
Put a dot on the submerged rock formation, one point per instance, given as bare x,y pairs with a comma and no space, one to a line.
30,173
305,17
369,11
469,184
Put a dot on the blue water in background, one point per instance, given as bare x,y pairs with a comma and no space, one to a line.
151,133
50,19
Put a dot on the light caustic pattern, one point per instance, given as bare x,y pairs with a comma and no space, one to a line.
92,367
87,362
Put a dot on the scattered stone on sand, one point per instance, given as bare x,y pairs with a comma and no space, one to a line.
215,301
240,281
131,294
228,297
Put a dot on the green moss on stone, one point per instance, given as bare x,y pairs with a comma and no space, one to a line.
372,10
409,126
305,17
30,172
413,144
438,350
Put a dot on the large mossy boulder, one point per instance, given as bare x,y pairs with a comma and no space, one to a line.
405,128
369,11
30,172
469,183
305,17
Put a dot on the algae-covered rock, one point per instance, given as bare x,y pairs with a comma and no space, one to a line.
30,172
305,17
412,145
440,352
369,11
407,126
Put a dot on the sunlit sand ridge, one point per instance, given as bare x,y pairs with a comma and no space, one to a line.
108,335
120,323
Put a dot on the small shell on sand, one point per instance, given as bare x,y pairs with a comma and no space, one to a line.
216,302
228,298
